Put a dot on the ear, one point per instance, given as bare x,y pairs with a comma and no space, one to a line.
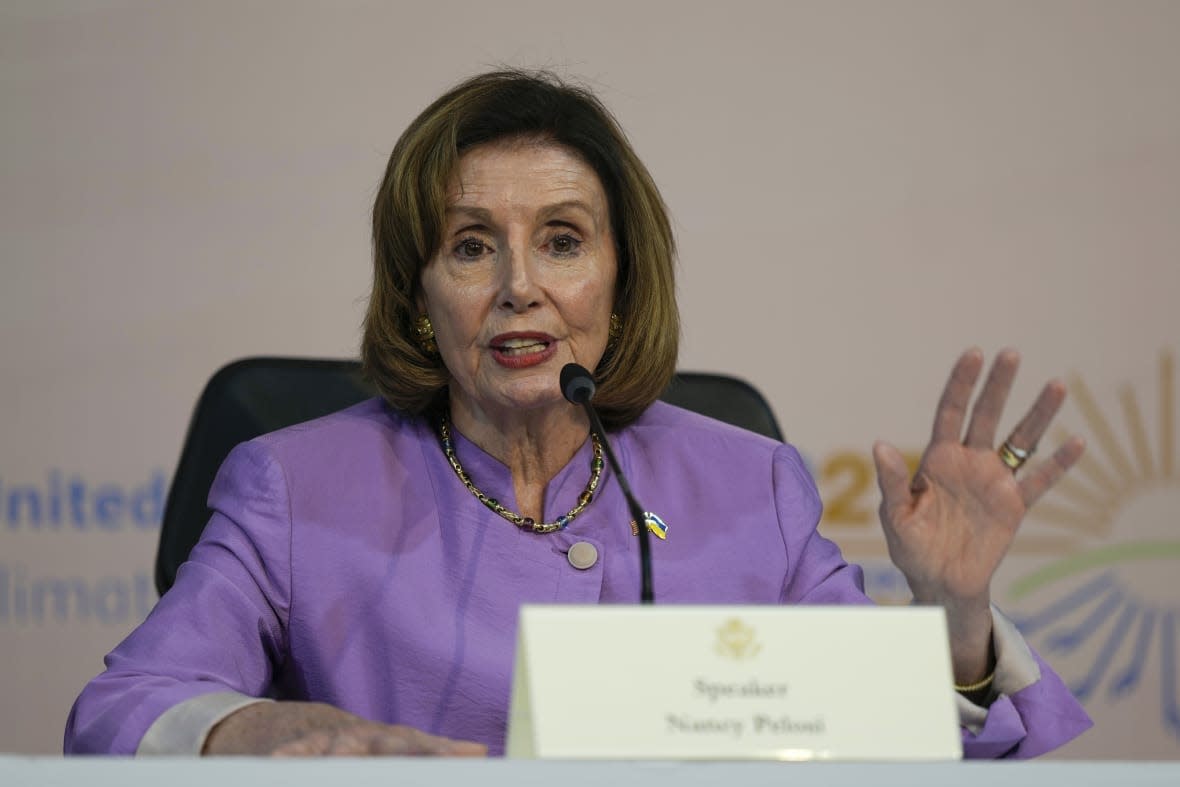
420,300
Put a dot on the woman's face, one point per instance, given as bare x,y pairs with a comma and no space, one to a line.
524,281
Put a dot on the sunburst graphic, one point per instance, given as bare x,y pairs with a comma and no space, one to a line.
1110,606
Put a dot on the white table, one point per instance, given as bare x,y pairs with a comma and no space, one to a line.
229,772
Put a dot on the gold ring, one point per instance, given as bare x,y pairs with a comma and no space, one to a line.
1012,456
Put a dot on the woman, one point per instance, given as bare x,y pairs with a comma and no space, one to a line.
367,568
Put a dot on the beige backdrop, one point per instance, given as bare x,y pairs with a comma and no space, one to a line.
861,190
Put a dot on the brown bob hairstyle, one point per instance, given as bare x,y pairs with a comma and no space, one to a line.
408,220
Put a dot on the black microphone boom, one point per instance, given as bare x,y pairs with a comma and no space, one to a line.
577,385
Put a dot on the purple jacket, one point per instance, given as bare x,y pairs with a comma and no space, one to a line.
346,563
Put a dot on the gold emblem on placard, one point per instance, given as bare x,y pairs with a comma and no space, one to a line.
737,641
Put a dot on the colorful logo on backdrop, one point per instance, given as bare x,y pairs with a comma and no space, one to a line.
1109,607
1103,601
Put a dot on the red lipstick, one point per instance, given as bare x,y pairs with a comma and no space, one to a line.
521,349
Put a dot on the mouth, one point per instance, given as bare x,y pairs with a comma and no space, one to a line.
520,346
522,349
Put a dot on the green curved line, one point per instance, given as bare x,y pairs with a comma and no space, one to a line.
1119,553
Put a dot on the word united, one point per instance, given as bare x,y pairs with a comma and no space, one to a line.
70,502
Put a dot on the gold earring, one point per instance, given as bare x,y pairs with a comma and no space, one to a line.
424,332
616,327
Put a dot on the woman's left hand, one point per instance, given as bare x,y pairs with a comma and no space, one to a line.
949,527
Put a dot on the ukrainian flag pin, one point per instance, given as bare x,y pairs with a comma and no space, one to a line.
656,526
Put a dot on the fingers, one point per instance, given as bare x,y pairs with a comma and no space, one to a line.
464,749
372,738
407,740
893,479
401,740
1042,477
1032,427
989,407
985,416
952,406
310,745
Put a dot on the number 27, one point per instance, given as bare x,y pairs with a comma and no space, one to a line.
847,485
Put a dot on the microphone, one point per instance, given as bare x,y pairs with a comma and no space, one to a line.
578,387
576,384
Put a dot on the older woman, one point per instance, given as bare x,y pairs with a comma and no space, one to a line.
366,569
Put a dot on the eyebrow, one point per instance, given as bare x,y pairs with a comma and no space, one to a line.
550,211
484,216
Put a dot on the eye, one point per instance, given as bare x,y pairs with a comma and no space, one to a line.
471,248
565,244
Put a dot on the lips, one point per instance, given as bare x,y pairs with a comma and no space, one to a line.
520,349
521,346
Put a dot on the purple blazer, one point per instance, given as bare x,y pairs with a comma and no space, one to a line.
346,563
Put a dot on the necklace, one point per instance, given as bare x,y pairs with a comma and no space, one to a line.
524,522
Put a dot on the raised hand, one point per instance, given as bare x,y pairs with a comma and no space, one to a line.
949,526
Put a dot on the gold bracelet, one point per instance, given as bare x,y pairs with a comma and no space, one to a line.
972,687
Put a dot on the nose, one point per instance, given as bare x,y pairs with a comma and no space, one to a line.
519,290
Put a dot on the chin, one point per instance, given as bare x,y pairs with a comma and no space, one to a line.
530,395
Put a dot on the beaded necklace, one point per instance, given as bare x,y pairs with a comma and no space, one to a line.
524,522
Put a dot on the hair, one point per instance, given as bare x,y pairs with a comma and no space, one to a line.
408,223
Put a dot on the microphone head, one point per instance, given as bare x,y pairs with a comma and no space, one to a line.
576,383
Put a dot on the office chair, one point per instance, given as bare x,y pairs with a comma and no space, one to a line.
254,396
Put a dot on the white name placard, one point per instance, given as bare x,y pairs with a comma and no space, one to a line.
717,682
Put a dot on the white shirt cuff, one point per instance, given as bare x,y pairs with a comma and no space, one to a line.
183,728
1016,669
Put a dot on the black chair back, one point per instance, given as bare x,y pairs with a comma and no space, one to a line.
254,396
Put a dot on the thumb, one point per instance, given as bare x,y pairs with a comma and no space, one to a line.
893,478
